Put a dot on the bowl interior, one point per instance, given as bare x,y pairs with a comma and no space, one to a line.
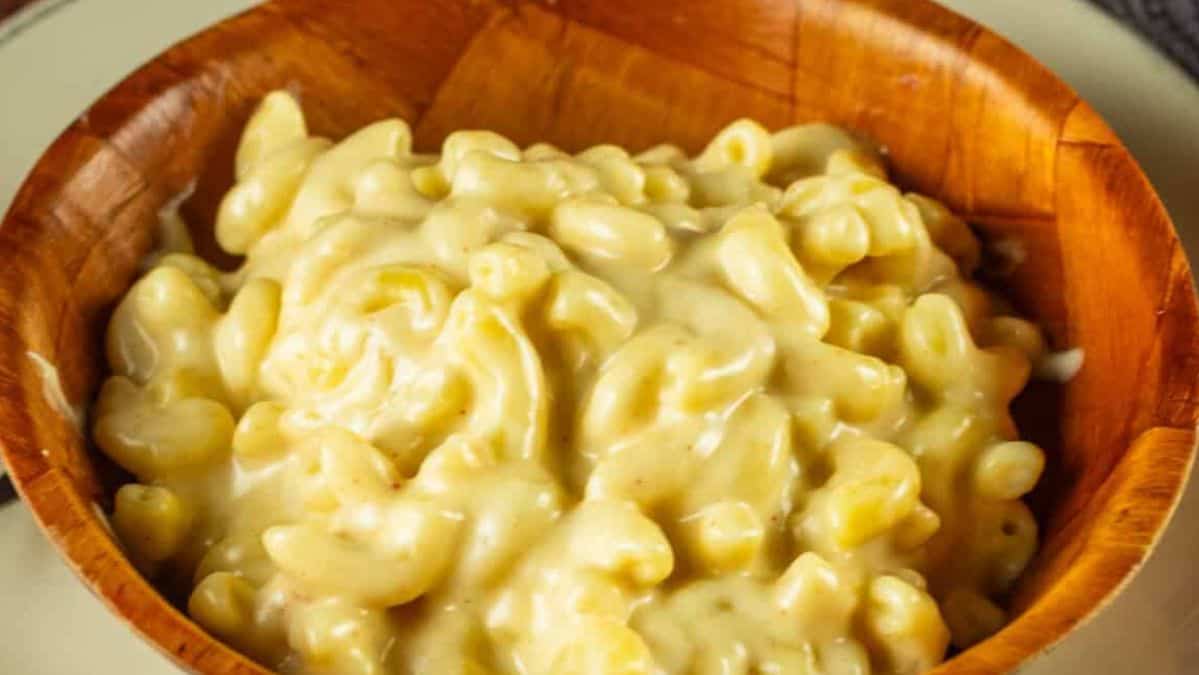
964,116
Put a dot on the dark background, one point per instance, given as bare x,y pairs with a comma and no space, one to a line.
1172,24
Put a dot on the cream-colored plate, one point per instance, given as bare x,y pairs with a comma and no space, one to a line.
59,55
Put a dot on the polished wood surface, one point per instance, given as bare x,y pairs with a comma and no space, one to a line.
964,115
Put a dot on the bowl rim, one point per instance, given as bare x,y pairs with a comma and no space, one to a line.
80,533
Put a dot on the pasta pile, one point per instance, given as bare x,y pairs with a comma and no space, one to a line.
516,411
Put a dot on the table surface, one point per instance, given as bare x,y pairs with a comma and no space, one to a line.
1152,627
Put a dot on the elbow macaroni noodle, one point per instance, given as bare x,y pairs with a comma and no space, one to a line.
505,411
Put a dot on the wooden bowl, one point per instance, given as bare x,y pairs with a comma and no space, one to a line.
965,115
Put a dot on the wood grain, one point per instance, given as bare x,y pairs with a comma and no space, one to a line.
965,116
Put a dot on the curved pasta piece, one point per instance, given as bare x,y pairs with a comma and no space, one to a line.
543,151
336,636
1003,542
1015,332
610,232
860,327
721,537
618,174
815,422
506,507
833,239
948,232
642,556
753,463
587,308
944,443
435,181
936,348
545,248
408,302
487,343
851,161
733,185
582,578
457,228
240,554
755,262
874,487
891,221
259,200
681,218
608,647
241,338
152,521
526,189
444,641
235,610
1008,470
508,273
972,299
206,277
385,187
338,468
905,626
862,388
818,599
381,554
626,394
733,352
276,123
418,411
152,440
164,324
735,625
664,185
663,154
460,144
802,151
716,490
743,143
327,187
971,617
340,240
851,216
649,468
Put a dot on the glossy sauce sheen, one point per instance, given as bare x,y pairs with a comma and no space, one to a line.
506,410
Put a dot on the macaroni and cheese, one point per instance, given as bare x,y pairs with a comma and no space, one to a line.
511,410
